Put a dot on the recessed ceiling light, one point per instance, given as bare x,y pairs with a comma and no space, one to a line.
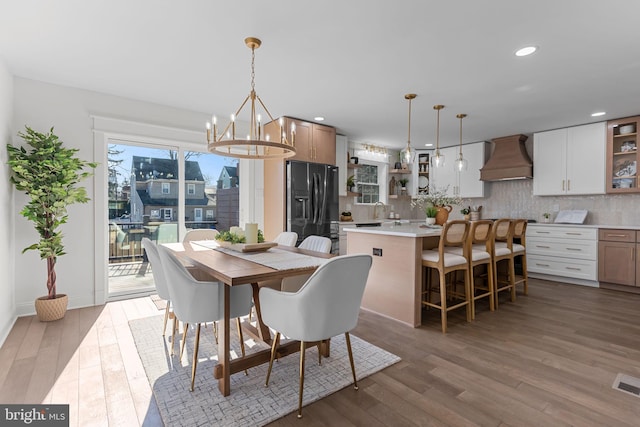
526,51
598,114
428,145
318,119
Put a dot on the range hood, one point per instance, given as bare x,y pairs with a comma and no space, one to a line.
508,161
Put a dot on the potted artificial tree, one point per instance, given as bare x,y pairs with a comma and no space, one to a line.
49,175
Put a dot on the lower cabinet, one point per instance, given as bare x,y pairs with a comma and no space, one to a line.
563,253
618,263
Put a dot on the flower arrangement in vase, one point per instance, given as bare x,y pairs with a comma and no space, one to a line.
438,198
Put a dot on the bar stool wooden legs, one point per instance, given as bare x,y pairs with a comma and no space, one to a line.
502,251
519,249
454,234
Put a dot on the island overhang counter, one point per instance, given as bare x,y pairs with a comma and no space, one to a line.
394,286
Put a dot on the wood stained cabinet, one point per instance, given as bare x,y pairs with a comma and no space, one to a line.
617,258
622,155
314,142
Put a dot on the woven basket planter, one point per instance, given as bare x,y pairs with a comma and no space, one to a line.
49,310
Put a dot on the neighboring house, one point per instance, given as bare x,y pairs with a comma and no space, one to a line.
155,195
228,177
228,198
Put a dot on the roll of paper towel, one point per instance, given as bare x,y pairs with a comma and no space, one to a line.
251,232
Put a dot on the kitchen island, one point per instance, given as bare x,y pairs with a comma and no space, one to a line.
395,280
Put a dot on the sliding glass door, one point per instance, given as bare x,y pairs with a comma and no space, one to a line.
159,192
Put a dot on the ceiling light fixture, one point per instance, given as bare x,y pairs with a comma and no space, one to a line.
254,146
460,165
407,153
318,119
525,51
437,160
598,114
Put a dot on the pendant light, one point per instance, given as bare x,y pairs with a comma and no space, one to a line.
407,153
460,165
437,160
255,145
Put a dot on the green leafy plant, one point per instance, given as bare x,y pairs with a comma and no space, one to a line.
346,213
403,182
49,174
546,215
465,211
351,182
228,236
431,211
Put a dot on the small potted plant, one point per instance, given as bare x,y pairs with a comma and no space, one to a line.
403,185
466,212
431,212
351,183
49,175
346,216
546,217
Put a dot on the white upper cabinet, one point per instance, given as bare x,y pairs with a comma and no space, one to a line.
570,160
465,184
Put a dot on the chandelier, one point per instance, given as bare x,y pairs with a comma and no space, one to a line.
254,146
460,165
437,160
407,153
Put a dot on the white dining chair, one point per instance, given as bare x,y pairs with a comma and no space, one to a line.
327,305
286,238
316,243
312,243
200,234
158,277
200,302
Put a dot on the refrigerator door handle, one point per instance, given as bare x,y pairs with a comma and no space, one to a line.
316,197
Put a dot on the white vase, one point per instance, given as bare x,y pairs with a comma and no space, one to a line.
431,221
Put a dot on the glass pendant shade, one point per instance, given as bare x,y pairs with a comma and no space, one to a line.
460,165
437,160
408,154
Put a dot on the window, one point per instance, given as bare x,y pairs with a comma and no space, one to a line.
209,214
166,188
191,189
370,183
167,214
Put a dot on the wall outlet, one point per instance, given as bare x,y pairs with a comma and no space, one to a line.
377,251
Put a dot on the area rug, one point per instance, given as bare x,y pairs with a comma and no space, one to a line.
250,402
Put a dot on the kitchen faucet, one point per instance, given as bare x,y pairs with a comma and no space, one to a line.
375,209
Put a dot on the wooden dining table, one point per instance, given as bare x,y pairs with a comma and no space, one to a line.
233,270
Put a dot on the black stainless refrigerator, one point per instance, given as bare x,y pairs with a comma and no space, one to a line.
312,199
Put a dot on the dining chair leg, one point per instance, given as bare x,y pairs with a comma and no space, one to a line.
166,317
512,279
319,353
525,276
353,367
173,334
443,301
241,339
302,351
274,347
195,356
184,338
215,331
491,286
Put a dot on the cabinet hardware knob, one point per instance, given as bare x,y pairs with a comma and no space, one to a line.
541,246
573,249
573,268
542,265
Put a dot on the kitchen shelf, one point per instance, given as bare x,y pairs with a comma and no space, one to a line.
353,165
400,196
400,171
352,194
622,156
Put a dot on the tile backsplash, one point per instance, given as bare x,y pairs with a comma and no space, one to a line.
514,199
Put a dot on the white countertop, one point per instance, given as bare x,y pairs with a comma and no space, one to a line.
404,229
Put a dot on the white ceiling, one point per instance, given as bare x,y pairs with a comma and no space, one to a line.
351,61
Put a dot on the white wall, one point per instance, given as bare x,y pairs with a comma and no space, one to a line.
41,106
7,285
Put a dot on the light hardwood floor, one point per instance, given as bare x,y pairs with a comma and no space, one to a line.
549,359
